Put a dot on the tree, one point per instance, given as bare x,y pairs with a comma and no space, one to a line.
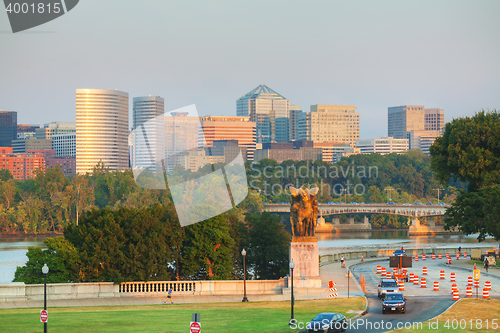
267,247
61,257
5,175
469,151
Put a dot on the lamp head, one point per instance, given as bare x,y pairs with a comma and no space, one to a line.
243,253
292,264
45,269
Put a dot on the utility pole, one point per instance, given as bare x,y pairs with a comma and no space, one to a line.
438,189
389,189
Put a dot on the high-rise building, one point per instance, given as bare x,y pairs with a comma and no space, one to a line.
101,129
216,128
54,128
333,123
434,119
22,146
423,140
182,133
269,110
148,117
382,146
26,128
8,128
64,144
298,124
405,118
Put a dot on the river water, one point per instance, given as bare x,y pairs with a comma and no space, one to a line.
13,248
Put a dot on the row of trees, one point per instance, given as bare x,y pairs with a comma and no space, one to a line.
51,201
469,151
148,244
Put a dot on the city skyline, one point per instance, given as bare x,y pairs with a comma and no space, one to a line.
372,55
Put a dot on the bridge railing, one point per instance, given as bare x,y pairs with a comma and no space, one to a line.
179,287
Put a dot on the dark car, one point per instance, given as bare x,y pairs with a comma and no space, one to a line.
399,253
328,322
394,302
387,286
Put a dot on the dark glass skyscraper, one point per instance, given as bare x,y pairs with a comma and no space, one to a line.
8,128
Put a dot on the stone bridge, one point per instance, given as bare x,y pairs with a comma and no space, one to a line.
413,211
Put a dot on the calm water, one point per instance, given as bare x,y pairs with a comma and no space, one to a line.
13,253
13,249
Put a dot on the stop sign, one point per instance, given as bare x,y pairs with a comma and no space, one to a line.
44,316
195,327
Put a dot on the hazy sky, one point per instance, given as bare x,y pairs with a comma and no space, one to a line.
373,54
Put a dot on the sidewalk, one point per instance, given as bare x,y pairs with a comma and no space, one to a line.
330,272
492,271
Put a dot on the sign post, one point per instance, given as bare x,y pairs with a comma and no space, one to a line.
477,275
195,325
44,316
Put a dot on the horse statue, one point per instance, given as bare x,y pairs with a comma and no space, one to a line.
303,211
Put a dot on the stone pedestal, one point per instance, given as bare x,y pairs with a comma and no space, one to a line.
305,254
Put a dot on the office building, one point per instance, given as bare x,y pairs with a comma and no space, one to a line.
382,146
422,140
241,129
55,128
434,119
182,134
405,118
22,166
332,152
25,128
148,136
197,158
295,151
333,123
298,124
269,110
64,144
8,128
67,164
22,146
101,129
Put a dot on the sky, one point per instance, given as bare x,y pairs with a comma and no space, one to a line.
371,54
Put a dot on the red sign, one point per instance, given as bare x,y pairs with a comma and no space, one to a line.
44,316
195,327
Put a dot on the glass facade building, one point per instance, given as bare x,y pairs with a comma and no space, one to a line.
269,110
8,128
102,129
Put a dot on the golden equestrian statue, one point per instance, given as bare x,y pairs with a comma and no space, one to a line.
303,211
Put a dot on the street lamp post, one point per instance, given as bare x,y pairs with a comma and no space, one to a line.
292,266
45,271
245,299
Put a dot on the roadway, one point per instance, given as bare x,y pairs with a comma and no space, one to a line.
423,304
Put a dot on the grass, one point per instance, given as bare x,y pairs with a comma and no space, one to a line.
480,264
477,310
215,317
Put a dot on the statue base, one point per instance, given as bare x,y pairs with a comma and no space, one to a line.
304,251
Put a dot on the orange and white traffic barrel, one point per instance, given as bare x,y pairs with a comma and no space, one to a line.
449,261
401,285
441,275
469,281
452,277
476,283
412,276
469,291
379,269
416,257
433,256
423,256
424,271
415,280
436,285
454,287
487,285
447,254
455,295
383,271
405,270
458,255
486,293
465,254
388,275
439,256
423,283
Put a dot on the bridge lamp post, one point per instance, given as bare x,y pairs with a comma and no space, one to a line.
438,189
245,299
